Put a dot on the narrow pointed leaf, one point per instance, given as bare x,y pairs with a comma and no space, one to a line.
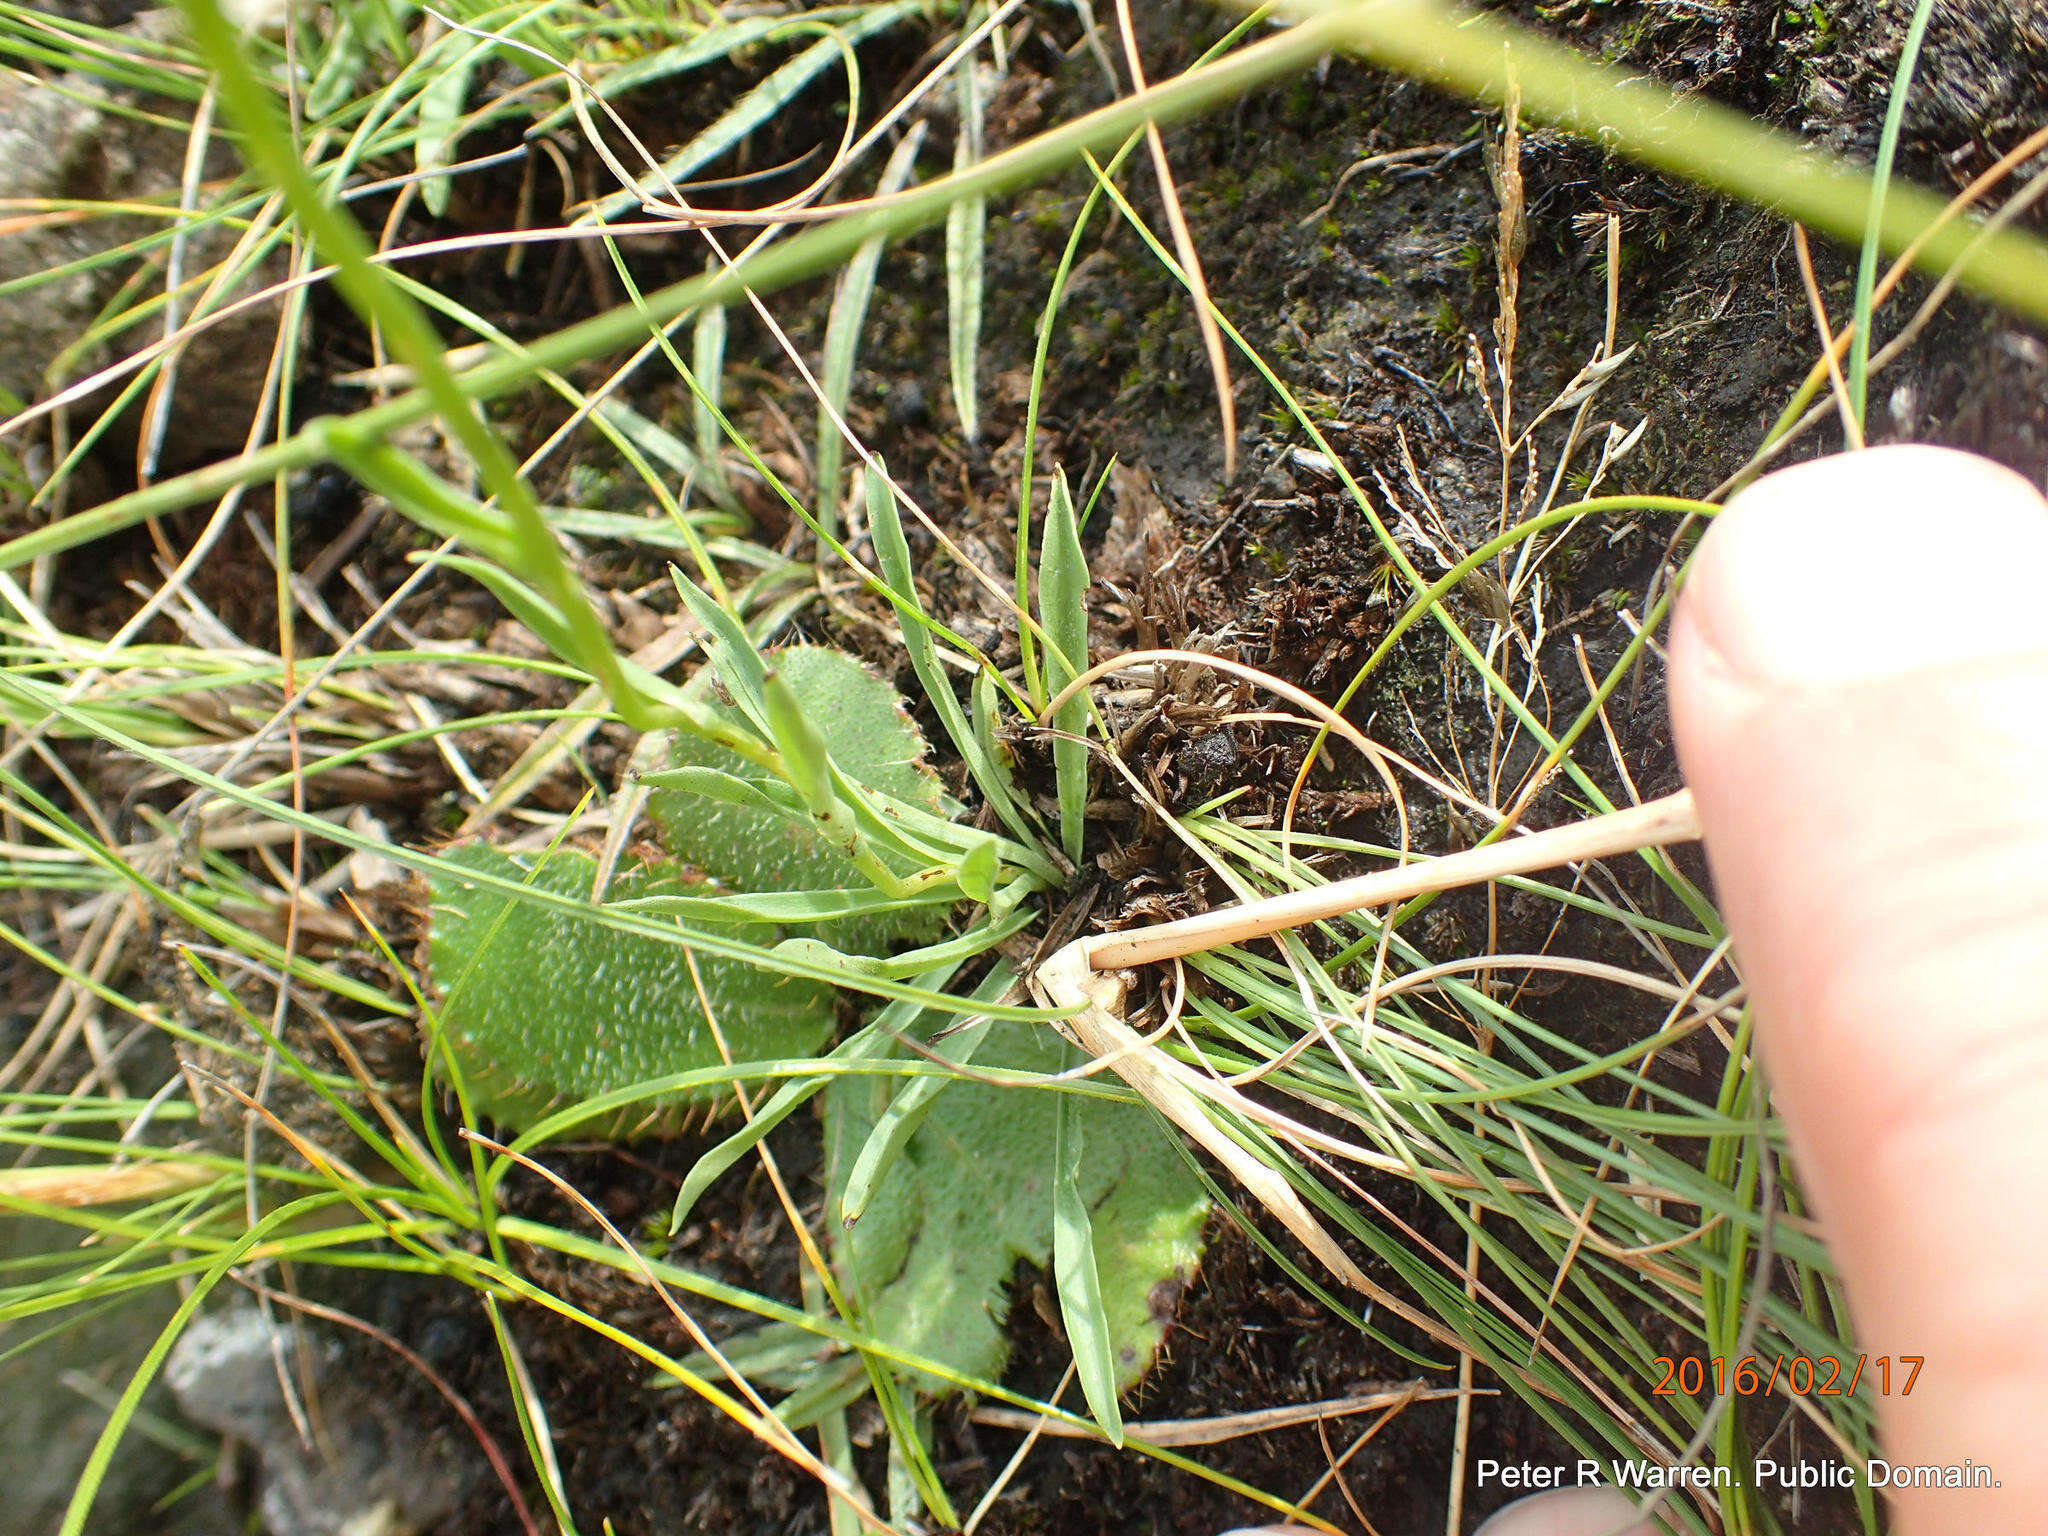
892,554
966,251
1079,1282
441,106
1063,610
850,297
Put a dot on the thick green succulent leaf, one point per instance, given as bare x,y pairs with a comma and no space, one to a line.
756,847
542,1008
970,1192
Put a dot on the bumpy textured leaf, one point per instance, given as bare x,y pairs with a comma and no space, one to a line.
971,1193
755,848
543,1008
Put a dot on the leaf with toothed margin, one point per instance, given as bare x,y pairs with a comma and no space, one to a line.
757,847
543,1008
969,1192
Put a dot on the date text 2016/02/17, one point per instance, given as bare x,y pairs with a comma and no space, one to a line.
1801,1375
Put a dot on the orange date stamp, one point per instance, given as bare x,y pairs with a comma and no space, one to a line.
1800,1375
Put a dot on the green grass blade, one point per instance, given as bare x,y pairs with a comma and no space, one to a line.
714,1163
892,554
1063,610
533,1429
1074,1270
707,363
966,251
720,41
763,102
1484,55
88,1486
1880,186
804,752
441,106
905,1113
842,343
652,438
520,600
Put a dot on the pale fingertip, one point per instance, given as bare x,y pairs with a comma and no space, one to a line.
1868,565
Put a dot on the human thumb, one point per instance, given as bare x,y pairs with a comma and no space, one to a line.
1859,688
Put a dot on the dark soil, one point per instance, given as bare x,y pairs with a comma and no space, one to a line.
1365,309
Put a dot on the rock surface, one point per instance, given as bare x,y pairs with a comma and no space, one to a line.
367,1471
